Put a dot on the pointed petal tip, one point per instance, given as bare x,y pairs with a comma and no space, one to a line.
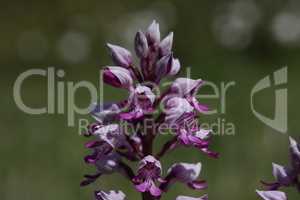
292,141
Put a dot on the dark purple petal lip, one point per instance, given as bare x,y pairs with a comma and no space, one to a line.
89,179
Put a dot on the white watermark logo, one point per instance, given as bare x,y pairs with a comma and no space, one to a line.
279,122
55,94
58,90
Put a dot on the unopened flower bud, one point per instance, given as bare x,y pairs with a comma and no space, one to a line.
141,45
153,33
165,46
117,77
121,56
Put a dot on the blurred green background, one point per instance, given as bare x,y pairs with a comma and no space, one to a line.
222,41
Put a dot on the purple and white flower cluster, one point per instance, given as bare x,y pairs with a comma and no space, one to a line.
112,146
286,176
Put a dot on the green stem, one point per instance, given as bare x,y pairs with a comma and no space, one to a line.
147,196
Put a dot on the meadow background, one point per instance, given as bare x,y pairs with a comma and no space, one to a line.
222,41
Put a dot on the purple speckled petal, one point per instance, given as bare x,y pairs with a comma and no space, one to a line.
141,102
186,86
144,186
198,185
154,190
205,197
105,113
272,195
185,172
111,195
175,108
210,153
281,174
295,154
198,106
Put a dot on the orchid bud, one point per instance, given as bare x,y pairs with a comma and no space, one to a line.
153,33
272,195
165,46
117,77
163,66
185,172
108,163
167,65
295,154
281,174
105,160
175,67
121,56
111,195
205,197
141,45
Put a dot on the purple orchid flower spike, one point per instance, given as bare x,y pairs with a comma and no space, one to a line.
272,195
117,77
121,56
205,197
113,144
186,173
111,195
148,173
